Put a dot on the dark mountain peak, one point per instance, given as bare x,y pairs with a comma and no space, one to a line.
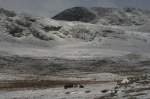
106,16
76,14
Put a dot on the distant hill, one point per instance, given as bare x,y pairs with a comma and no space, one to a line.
76,14
112,16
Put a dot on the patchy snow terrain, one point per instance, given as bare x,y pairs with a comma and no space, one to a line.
112,44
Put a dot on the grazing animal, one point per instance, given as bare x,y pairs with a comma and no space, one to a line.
81,86
66,86
104,91
125,81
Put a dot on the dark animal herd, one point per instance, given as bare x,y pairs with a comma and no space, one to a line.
66,86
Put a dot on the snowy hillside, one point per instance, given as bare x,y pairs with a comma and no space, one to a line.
96,47
23,35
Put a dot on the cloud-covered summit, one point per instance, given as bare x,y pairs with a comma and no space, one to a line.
52,7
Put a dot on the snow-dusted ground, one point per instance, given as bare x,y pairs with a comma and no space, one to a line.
78,47
119,43
59,93
90,91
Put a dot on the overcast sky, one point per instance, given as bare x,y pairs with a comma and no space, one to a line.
52,7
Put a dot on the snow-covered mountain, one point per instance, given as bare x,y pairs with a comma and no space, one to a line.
118,35
95,48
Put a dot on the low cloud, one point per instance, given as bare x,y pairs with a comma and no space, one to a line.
52,7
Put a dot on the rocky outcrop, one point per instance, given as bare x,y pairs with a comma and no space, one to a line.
7,13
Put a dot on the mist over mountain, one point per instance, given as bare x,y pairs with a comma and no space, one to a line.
52,7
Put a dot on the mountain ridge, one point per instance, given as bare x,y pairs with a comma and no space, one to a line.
113,16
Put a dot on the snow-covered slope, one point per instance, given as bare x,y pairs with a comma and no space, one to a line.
42,37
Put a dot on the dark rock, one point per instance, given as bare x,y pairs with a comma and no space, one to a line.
87,91
15,30
51,28
67,92
104,91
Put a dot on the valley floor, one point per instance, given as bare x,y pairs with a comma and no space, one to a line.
138,88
